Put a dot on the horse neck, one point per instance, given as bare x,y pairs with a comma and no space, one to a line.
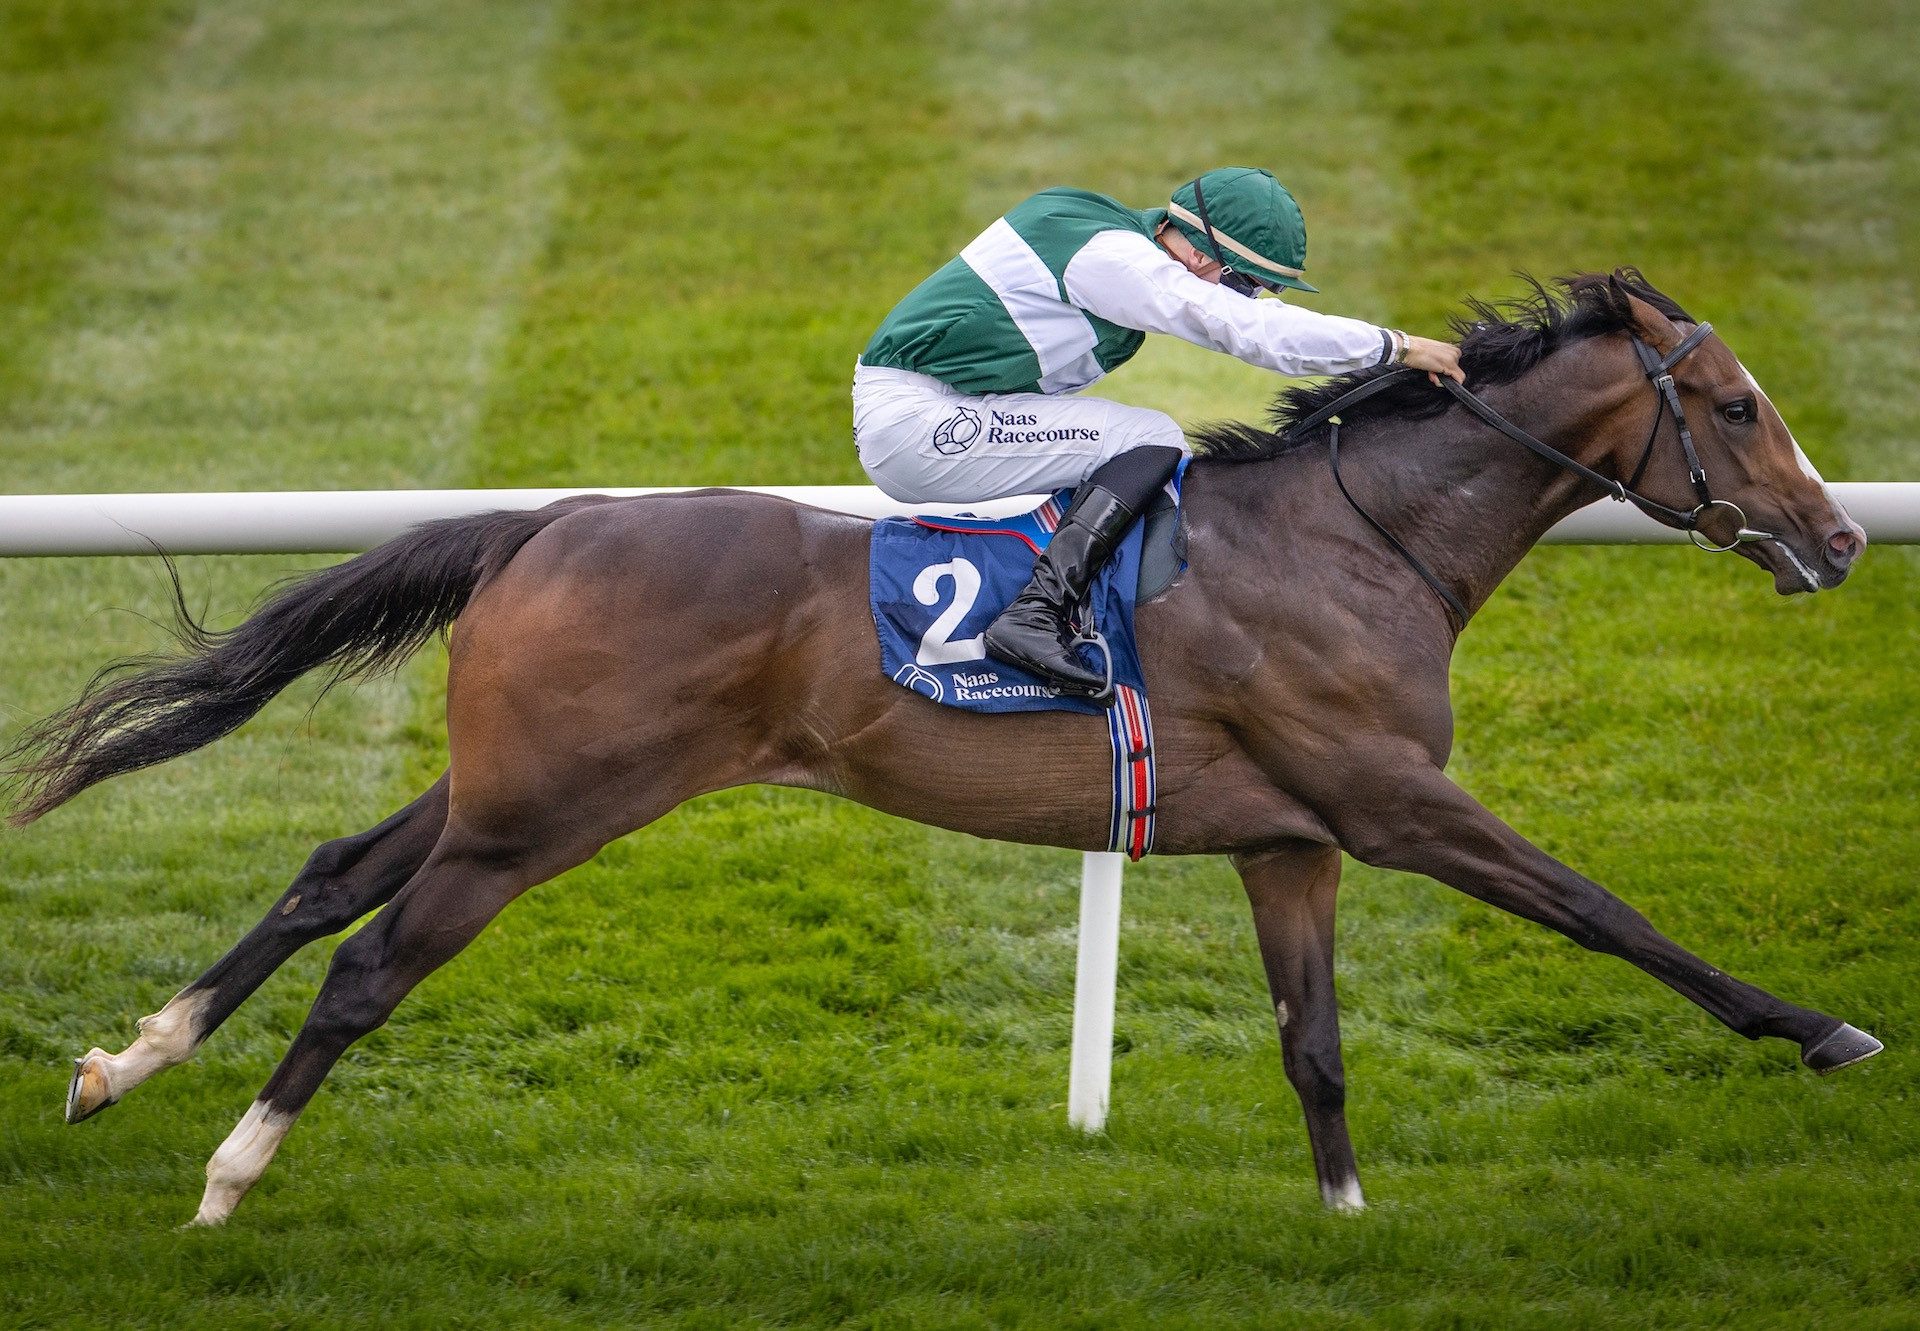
1465,499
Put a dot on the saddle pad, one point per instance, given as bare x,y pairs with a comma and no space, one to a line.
937,582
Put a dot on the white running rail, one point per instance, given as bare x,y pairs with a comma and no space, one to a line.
343,521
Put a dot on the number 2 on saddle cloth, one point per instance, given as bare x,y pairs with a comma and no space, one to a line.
937,582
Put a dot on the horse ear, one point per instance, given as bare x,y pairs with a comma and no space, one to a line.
1654,328
1617,291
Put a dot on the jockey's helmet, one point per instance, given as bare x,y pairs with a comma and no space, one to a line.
1245,218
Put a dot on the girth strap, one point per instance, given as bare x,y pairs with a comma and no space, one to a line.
1130,824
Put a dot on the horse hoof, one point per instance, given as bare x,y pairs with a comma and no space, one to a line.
1842,1048
88,1093
213,1212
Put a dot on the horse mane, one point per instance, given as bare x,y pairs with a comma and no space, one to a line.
1499,342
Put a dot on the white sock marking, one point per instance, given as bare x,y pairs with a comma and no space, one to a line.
241,1160
1344,1195
166,1039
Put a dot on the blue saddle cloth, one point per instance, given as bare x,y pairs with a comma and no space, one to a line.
937,582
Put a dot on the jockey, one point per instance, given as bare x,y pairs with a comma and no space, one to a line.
965,392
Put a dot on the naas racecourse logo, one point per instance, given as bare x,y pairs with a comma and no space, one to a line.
923,682
957,433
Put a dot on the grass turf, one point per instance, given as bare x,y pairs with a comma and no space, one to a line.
779,1060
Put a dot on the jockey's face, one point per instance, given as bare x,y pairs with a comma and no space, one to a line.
1202,266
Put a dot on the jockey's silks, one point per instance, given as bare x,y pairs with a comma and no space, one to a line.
1062,290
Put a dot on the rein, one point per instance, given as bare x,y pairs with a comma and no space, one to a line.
1659,372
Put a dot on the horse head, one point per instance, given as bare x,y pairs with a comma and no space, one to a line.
1760,494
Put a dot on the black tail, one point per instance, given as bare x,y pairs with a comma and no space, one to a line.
361,618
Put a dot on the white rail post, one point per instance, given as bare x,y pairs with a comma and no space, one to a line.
1095,975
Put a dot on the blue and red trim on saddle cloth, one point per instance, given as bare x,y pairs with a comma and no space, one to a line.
1033,528
937,582
1130,731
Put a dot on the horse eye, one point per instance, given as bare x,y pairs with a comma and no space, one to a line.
1739,412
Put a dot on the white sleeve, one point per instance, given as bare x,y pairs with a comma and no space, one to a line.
1127,279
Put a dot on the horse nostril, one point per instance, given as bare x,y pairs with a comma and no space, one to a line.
1843,547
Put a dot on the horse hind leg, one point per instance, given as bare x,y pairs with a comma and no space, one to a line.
526,803
341,881
465,882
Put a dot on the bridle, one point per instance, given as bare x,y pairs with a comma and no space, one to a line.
1659,372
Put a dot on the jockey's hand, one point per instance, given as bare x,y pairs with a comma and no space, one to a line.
1437,358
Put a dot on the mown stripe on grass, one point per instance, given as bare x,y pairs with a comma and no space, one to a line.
305,262
749,189
731,223
66,71
316,221
1844,170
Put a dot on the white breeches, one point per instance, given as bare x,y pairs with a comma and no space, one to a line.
923,442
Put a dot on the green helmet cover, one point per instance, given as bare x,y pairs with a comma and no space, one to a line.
1257,227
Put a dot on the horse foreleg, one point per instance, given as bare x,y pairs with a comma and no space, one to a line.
1431,826
342,880
1292,892
457,892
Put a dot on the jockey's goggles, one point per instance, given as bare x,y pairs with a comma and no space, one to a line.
1246,284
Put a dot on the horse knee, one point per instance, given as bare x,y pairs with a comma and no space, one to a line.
1319,1078
353,1000
1384,842
332,858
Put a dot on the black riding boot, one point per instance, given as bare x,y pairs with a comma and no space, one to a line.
1033,632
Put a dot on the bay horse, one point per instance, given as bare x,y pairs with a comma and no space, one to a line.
610,659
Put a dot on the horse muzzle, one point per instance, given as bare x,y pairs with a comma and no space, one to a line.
1721,525
1795,570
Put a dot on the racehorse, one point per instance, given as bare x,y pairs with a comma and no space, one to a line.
610,659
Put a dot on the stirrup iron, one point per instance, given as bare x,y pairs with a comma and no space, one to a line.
1092,637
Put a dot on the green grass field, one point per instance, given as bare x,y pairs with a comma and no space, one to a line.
780,1061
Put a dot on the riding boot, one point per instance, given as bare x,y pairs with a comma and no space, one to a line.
1034,632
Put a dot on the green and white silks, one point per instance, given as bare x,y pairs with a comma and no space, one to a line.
1064,288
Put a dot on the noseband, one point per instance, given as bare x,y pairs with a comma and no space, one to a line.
1659,372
